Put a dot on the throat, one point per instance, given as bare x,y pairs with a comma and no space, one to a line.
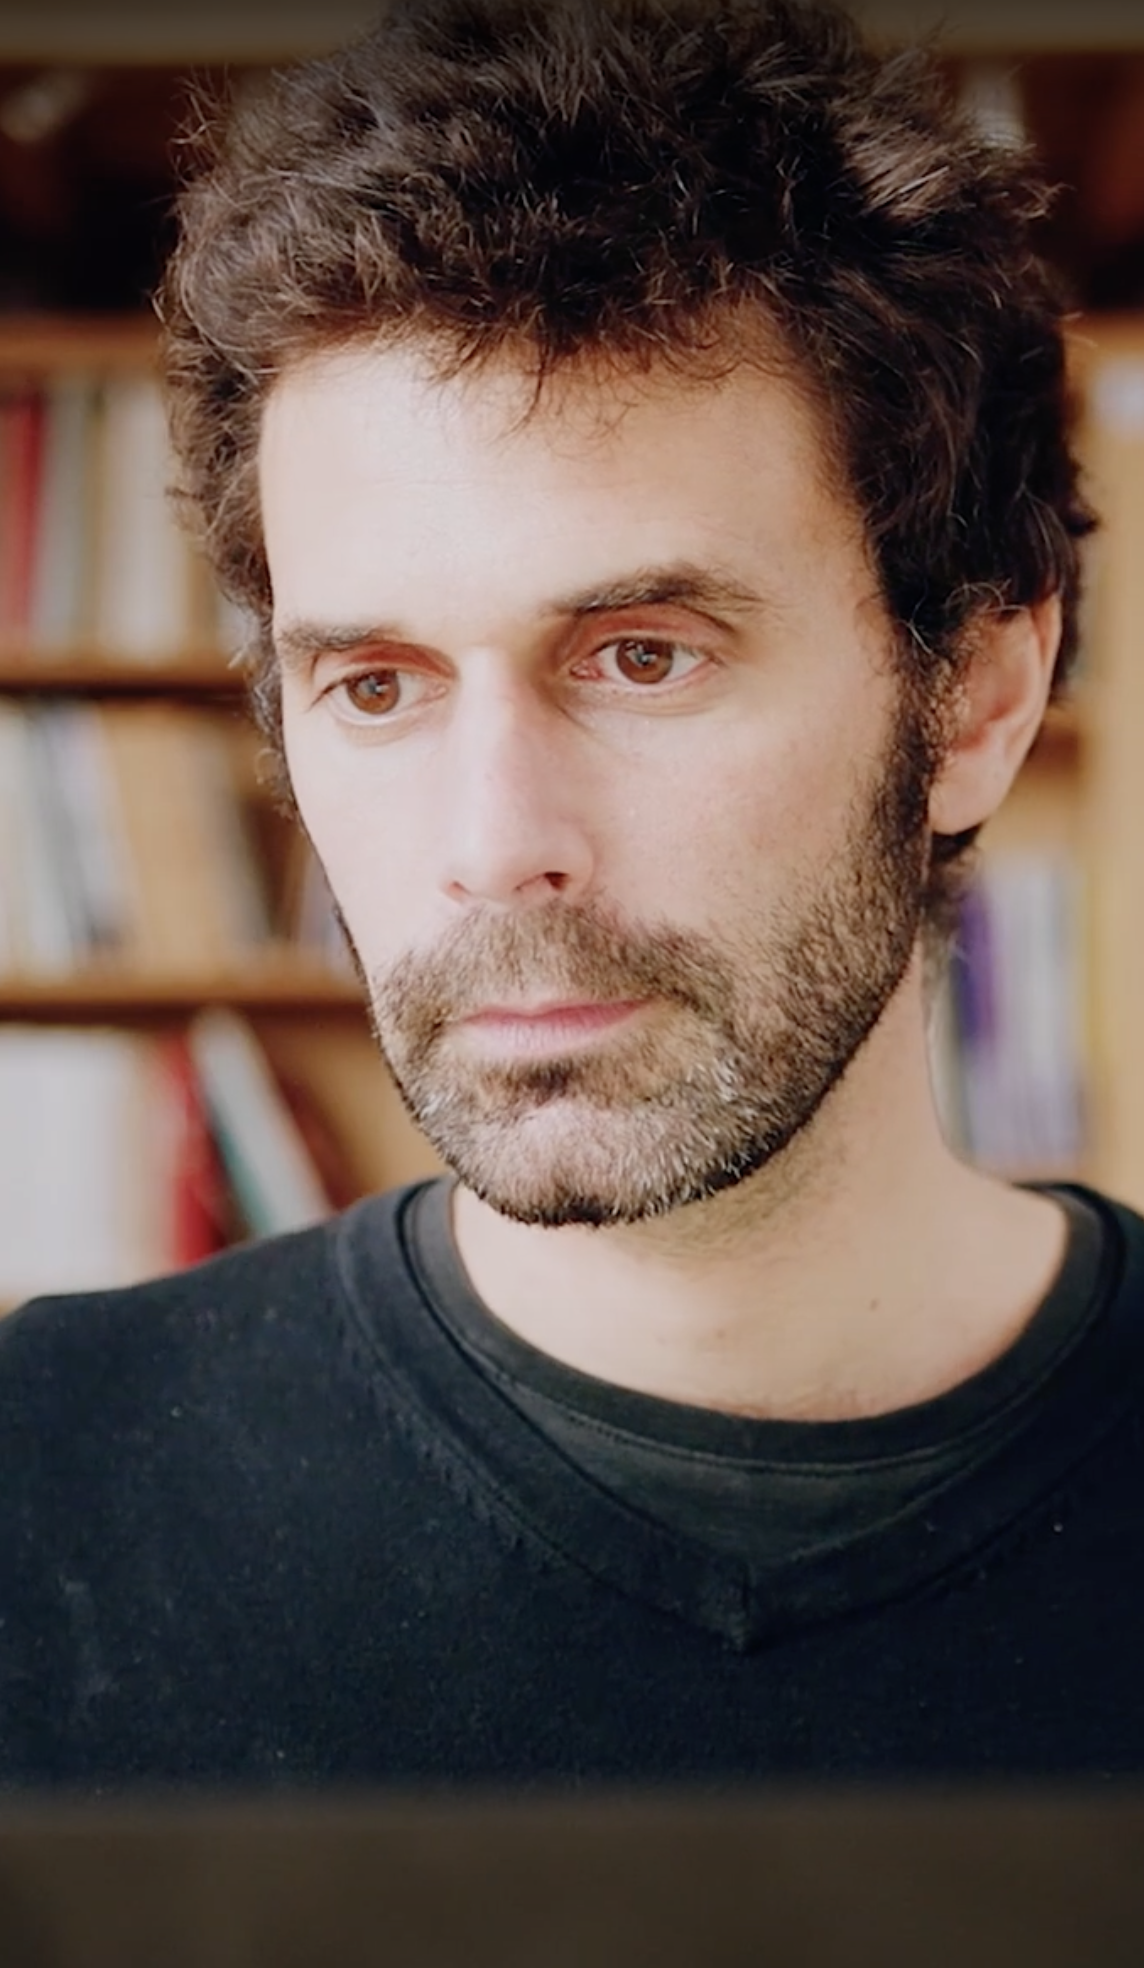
850,1319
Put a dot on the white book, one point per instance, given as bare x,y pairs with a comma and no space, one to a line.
229,844
53,798
1068,931
13,937
74,1166
51,938
267,1160
945,1062
1052,1009
1009,1143
85,790
61,567
976,1020
143,585
1038,1065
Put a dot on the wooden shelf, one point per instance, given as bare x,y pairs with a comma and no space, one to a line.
44,344
256,983
94,672
213,31
247,31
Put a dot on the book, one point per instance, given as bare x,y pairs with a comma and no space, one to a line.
220,755
200,1213
13,937
192,874
44,934
137,831
127,1154
95,871
81,1179
1036,907
143,586
60,589
21,459
972,981
1012,1071
269,1166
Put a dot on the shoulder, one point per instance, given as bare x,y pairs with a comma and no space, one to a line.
267,1309
1124,1235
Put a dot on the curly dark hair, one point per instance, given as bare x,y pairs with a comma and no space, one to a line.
635,182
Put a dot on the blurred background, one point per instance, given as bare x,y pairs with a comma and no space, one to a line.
184,1057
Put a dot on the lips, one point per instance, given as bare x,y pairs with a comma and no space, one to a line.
547,1027
561,1008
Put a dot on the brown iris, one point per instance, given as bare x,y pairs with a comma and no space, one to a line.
376,691
643,661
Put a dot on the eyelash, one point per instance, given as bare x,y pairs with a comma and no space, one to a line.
675,646
671,643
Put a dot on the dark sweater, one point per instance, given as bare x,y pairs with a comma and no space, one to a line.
274,1521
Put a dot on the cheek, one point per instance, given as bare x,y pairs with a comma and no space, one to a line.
365,842
773,809
717,840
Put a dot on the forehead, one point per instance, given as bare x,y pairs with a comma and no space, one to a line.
586,406
374,459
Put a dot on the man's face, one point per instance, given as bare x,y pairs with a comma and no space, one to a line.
591,716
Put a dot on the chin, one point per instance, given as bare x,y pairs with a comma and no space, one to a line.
554,1191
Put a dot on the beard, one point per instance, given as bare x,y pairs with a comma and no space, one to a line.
747,1035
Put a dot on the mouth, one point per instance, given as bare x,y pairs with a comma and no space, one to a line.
533,1030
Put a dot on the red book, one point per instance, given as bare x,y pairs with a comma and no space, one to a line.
201,1213
21,478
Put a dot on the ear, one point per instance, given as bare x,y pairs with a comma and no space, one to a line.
995,714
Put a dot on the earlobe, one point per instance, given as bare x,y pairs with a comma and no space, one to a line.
996,713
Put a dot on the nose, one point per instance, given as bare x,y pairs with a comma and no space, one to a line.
511,832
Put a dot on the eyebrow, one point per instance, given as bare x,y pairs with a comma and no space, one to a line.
297,644
679,583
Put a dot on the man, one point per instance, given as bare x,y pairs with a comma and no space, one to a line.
639,432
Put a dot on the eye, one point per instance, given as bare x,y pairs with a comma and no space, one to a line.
374,694
647,660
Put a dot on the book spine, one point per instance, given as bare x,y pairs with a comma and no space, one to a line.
63,864
60,590
199,1209
50,930
21,447
142,587
91,840
275,1181
973,990
81,1191
1018,1010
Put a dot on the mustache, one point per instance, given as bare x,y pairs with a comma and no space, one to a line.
563,951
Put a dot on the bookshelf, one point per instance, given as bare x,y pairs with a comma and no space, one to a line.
199,673
280,981
251,31
1081,793
1110,365
37,345
304,1010
1080,797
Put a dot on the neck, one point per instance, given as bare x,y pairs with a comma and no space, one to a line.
864,1270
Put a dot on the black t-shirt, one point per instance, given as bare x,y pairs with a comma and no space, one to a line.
275,1520
767,1492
